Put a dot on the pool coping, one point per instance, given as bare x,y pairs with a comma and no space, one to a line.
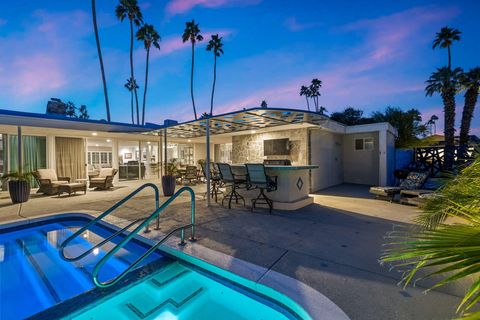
313,302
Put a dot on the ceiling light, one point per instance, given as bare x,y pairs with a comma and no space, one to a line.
108,140
253,131
94,133
148,142
96,145
189,140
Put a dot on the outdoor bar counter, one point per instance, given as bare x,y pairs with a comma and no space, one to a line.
293,186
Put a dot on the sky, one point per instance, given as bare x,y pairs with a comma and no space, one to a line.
368,54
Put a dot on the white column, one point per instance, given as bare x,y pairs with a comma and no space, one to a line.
115,159
207,160
51,159
382,163
19,149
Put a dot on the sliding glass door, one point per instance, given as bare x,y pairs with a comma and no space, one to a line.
70,157
34,154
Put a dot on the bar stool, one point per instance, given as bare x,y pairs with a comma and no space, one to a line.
258,179
234,181
215,179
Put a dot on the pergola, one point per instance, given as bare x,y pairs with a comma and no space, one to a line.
237,121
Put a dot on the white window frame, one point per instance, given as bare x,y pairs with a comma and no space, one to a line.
371,143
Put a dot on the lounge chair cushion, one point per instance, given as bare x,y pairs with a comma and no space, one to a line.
434,183
384,190
414,180
97,179
49,174
105,172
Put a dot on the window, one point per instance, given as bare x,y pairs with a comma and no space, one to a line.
364,144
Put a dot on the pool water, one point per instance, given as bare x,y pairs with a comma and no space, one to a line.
33,277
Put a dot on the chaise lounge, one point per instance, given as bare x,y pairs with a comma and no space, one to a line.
413,181
48,181
103,180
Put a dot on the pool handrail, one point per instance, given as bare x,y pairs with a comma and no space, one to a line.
103,215
132,234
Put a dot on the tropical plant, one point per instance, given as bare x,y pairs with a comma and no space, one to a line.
449,251
408,124
322,110
129,9
99,50
446,82
83,112
470,81
192,34
216,46
172,168
17,176
264,104
445,39
350,117
432,124
315,92
130,85
149,36
305,91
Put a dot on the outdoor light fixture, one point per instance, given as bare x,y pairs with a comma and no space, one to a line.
253,131
189,140
108,140
94,133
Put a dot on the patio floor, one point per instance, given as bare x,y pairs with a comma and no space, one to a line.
332,245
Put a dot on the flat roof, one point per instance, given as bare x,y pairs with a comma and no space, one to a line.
30,119
242,120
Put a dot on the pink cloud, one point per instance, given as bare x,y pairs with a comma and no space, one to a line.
181,6
294,25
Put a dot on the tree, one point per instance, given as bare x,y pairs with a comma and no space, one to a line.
350,117
305,91
69,109
470,81
408,124
322,110
445,39
264,104
83,112
445,82
315,92
149,36
432,123
130,9
99,50
216,46
192,34
130,85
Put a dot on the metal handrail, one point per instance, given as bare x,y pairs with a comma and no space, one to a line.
104,214
119,246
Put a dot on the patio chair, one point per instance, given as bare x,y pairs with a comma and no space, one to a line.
48,181
414,180
215,179
233,182
103,180
419,196
190,174
258,179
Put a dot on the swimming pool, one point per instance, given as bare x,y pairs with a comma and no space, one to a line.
36,282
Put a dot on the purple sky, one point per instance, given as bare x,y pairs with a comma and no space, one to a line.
368,55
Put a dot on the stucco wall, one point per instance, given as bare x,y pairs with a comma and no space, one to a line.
326,152
390,158
360,166
249,148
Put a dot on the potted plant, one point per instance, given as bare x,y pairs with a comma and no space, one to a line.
168,180
18,186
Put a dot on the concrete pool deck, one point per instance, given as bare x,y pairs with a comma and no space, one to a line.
332,245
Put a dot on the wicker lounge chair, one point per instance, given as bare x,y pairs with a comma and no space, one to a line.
48,181
419,196
413,181
103,180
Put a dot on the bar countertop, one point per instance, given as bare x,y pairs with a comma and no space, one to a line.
280,168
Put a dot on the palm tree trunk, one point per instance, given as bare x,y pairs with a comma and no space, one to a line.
131,106
145,89
99,50
214,80
449,130
449,59
131,71
471,97
191,81
308,104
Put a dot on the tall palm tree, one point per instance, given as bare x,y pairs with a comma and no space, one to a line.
445,82
192,34
131,84
130,9
149,36
215,44
470,81
99,50
305,91
315,92
432,123
445,39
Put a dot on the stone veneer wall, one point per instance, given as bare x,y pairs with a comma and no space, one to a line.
249,148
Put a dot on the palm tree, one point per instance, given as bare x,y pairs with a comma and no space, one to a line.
99,50
131,84
432,123
445,82
315,92
192,34
471,82
149,36
130,9
215,44
445,39
305,91
264,104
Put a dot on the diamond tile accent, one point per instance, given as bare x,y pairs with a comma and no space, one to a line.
299,183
